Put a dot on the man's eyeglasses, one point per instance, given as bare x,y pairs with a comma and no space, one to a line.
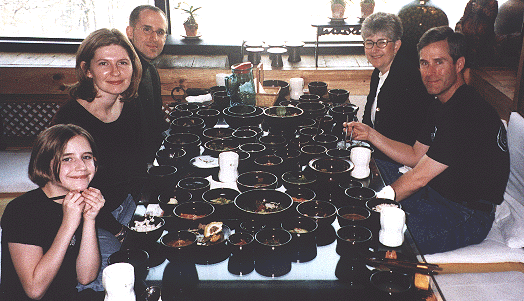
148,30
382,43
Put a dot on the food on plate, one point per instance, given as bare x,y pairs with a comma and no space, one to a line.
148,224
209,234
264,206
273,241
221,201
241,242
378,208
317,214
298,200
353,216
179,243
191,216
298,231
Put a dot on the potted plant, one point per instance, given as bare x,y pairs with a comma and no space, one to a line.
338,8
190,24
366,8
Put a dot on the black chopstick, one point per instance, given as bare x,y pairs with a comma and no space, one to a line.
57,197
421,266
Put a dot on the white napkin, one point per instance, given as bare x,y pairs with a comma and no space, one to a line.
199,98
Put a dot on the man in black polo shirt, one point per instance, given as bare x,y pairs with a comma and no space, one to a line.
460,159
147,31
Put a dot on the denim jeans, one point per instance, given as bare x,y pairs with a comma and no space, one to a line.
388,170
438,224
108,243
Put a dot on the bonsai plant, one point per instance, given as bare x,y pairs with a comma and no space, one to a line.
338,7
366,8
190,24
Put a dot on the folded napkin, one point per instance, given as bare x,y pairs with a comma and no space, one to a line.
199,98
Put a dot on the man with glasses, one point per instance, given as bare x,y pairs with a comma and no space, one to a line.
147,31
397,100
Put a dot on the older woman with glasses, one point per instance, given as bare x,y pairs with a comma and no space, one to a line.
397,98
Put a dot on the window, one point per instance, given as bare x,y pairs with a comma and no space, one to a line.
63,18
268,20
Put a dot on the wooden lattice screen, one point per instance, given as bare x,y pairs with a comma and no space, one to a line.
23,121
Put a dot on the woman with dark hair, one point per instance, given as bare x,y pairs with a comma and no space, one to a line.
104,103
49,240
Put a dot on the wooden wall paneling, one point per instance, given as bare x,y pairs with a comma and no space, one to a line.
36,80
492,91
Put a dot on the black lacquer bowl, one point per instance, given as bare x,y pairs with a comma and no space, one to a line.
217,133
323,212
284,87
282,119
144,230
265,205
191,214
331,169
222,199
298,178
170,198
236,119
256,179
179,245
191,124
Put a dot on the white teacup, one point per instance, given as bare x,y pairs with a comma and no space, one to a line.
228,163
392,226
360,156
118,280
296,87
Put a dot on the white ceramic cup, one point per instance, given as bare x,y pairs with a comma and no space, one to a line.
296,87
360,156
221,79
392,226
118,280
228,167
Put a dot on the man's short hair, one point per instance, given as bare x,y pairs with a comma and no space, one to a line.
456,41
135,14
386,23
48,149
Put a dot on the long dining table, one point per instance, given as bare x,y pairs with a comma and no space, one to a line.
311,280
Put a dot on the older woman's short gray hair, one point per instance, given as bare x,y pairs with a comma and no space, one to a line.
385,23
